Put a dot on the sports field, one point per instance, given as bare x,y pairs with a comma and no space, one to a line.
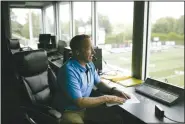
163,64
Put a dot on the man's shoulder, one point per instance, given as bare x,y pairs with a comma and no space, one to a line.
68,66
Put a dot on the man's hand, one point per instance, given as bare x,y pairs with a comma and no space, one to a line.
119,93
114,99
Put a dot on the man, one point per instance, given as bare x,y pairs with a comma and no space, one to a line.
76,79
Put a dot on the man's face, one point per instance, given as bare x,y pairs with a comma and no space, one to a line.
87,51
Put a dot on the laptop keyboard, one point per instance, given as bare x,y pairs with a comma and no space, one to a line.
166,96
147,89
153,92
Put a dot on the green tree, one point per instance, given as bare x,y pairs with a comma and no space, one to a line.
103,22
25,31
169,29
164,25
15,26
36,25
179,28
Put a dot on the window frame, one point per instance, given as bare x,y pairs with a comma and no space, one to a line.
146,50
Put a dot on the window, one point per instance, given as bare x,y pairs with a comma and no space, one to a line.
82,18
64,22
166,50
114,33
49,20
26,25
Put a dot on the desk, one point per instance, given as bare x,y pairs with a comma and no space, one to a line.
55,64
144,112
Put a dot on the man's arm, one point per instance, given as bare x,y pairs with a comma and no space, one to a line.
95,101
86,102
105,88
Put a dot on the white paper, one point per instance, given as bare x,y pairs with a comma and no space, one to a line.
132,100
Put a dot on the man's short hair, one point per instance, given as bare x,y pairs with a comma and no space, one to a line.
77,41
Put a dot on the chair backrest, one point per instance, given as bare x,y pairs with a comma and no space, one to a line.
14,45
35,76
61,45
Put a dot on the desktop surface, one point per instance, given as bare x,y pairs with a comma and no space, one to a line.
145,110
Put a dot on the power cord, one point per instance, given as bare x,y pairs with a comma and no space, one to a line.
172,119
159,113
108,67
105,73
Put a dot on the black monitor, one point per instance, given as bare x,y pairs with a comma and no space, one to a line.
53,41
98,61
44,38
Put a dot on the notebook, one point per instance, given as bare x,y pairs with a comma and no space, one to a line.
115,76
130,82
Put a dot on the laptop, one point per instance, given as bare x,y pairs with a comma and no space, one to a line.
158,91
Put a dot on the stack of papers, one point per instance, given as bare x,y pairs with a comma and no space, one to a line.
115,76
132,100
129,82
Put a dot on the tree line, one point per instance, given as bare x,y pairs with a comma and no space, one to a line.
169,29
166,28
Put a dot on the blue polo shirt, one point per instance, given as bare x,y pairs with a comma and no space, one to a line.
76,81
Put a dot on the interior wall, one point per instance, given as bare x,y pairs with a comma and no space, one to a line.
9,96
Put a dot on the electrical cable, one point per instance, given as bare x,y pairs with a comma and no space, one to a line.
108,67
172,119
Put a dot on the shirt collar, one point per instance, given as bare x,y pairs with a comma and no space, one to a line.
77,64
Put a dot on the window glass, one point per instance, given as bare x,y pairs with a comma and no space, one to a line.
49,20
114,33
26,25
82,17
166,56
64,22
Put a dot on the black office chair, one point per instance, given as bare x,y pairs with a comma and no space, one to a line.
61,45
14,45
37,84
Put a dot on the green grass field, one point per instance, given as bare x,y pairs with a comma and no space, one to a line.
167,64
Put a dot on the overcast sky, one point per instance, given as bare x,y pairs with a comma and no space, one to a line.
116,11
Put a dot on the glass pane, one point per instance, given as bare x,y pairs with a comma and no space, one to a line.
64,22
166,60
49,20
114,34
26,25
82,18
